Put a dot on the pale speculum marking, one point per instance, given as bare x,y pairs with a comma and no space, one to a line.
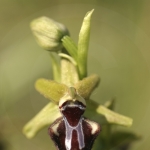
72,112
79,131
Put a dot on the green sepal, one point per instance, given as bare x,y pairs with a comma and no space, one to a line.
113,117
51,89
44,118
103,115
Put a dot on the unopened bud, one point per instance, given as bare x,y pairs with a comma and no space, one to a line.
49,33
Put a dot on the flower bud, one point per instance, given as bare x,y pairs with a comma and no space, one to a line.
49,33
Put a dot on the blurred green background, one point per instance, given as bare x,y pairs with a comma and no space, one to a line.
119,52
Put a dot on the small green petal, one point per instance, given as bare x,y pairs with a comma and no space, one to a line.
113,117
44,118
86,86
51,89
83,44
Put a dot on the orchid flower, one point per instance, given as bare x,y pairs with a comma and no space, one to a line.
71,82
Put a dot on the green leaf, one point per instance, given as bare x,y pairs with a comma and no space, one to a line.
44,118
113,117
51,89
83,44
70,46
86,86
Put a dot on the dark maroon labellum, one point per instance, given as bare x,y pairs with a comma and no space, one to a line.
73,131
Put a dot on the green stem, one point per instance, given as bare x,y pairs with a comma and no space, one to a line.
55,67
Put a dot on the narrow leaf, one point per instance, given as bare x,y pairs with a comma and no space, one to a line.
83,44
70,46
